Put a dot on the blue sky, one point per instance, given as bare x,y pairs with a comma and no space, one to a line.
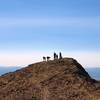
30,29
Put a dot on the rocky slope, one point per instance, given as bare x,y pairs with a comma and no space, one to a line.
63,79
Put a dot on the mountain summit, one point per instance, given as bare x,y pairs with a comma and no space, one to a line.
61,79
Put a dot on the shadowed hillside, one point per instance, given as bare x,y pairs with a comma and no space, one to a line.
63,79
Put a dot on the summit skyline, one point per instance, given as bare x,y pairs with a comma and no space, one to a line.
32,29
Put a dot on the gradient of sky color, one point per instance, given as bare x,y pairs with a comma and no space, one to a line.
30,29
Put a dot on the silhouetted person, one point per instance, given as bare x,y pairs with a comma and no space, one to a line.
44,58
48,58
55,55
60,55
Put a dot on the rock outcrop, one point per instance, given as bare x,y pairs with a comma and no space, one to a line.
63,79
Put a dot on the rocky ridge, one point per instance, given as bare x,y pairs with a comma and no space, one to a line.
62,79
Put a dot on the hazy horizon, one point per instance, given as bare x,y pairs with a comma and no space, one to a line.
32,29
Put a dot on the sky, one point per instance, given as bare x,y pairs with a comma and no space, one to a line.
31,29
